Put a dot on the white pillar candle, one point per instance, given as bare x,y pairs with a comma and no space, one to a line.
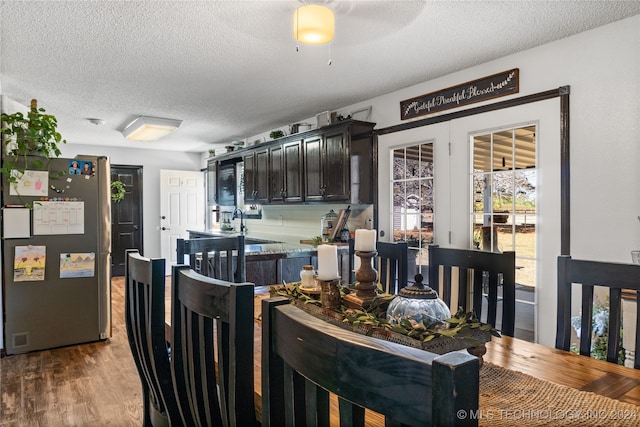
365,240
327,262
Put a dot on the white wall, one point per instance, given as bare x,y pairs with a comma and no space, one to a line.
152,162
602,67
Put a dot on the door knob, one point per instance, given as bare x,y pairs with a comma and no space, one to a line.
164,228
163,217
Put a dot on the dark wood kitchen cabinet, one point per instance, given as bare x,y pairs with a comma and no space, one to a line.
327,174
286,173
256,176
333,164
226,183
340,164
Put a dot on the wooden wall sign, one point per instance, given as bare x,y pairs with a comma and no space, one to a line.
501,84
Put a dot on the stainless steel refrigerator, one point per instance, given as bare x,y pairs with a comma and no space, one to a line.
57,255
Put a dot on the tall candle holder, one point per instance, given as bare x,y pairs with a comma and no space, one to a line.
366,281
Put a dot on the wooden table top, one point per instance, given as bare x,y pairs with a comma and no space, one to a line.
566,368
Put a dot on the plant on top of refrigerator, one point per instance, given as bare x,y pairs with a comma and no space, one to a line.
28,141
34,134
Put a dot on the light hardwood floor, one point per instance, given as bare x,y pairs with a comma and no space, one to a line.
93,384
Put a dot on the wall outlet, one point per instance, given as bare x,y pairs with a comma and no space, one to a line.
280,220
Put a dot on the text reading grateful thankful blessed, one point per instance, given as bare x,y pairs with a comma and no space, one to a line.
500,84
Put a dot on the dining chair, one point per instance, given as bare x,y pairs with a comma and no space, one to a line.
393,265
217,257
618,277
305,358
145,324
391,262
212,349
479,273
351,259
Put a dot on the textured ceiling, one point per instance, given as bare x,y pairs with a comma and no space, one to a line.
230,69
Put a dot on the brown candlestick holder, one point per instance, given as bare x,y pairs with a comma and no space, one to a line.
366,282
329,294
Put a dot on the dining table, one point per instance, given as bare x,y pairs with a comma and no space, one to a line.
524,383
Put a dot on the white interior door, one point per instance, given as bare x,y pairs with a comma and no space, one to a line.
452,189
182,208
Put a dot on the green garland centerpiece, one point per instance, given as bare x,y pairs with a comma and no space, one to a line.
464,327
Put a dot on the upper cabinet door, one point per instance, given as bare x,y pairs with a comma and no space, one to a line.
276,181
248,180
313,185
292,164
261,176
256,171
335,169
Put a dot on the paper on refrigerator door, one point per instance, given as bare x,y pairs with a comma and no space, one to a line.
58,218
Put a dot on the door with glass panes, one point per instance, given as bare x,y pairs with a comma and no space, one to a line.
446,184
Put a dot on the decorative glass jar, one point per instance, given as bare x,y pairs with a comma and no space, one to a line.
328,223
418,303
307,279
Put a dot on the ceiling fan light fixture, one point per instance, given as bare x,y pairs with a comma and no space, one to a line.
313,24
145,128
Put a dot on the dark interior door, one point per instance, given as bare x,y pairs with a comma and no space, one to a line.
126,216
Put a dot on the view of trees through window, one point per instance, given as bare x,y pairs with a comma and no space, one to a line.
412,214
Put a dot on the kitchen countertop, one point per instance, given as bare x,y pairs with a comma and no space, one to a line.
265,244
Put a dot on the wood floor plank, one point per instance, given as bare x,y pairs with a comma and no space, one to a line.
94,384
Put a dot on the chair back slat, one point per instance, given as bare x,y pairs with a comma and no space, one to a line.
145,324
490,271
204,309
305,358
589,274
217,257
636,363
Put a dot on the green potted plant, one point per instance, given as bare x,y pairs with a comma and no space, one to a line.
33,135
276,134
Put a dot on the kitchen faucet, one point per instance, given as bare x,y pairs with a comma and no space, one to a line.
237,211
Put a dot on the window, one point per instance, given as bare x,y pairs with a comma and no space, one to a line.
503,205
412,195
